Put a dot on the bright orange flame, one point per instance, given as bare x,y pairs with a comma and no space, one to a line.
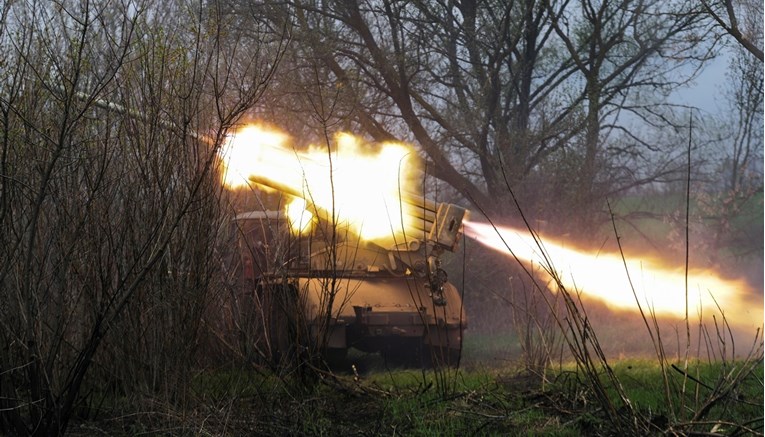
603,276
299,217
248,151
358,183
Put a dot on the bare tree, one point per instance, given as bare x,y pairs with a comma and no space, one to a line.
623,50
742,20
112,113
423,72
747,101
504,95
733,183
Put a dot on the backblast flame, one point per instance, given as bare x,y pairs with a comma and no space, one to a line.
611,279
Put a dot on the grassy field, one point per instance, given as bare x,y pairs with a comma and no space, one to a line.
489,401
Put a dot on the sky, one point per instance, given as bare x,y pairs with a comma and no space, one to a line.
708,91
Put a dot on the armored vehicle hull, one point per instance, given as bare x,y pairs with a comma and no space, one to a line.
322,300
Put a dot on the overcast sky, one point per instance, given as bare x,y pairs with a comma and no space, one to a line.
708,92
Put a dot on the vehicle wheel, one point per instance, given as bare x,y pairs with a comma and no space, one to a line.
435,356
282,325
447,350
403,352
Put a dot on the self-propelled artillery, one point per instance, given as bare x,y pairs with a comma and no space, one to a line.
320,289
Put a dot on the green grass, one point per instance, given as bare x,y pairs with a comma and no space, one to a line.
487,401
700,381
484,349
687,391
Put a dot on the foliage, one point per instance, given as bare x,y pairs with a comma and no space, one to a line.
488,401
107,167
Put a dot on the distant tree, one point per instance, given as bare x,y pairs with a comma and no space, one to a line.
628,55
744,160
735,180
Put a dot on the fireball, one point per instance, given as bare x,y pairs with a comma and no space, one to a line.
351,182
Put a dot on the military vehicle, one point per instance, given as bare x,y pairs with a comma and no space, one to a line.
326,290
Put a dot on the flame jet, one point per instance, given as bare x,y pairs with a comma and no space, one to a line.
611,279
